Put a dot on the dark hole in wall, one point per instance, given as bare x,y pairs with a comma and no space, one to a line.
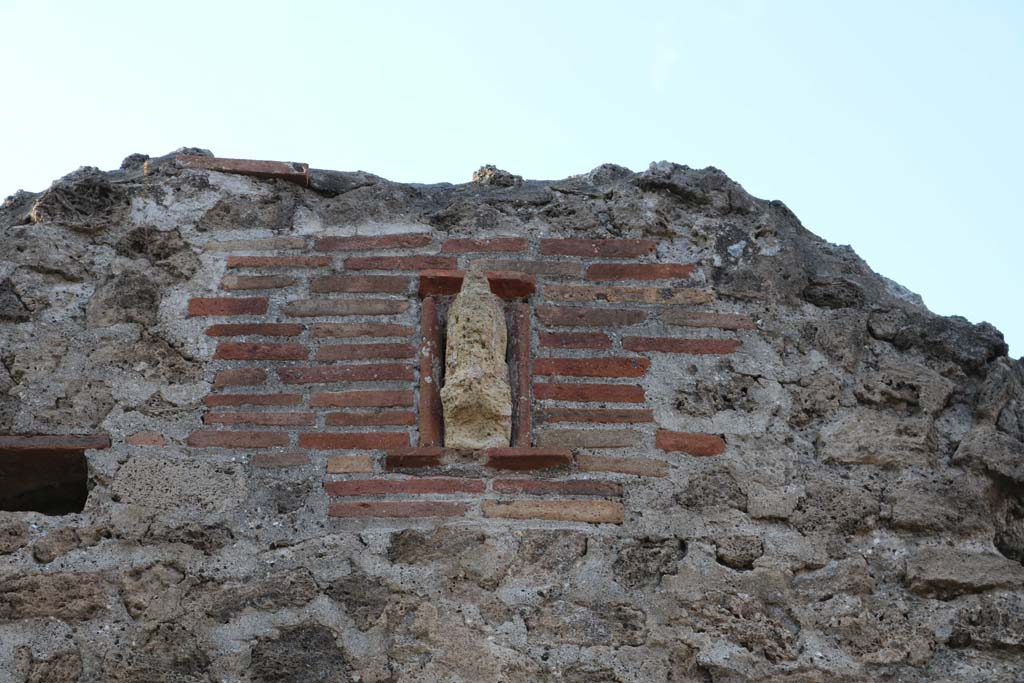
50,482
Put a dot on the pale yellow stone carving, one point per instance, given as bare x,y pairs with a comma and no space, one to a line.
476,396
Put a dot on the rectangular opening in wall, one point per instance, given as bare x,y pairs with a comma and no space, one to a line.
50,482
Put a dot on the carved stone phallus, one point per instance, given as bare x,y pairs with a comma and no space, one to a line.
476,396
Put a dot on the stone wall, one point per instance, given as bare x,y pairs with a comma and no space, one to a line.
737,453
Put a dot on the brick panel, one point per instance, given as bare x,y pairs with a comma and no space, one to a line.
423,485
564,316
278,261
365,351
379,242
223,306
590,393
362,399
592,367
687,442
397,510
322,441
345,373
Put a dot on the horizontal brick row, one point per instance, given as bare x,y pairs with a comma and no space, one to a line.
216,400
258,351
503,284
254,330
365,351
278,261
401,510
362,399
639,271
361,284
688,442
367,243
541,487
575,340
599,415
269,419
243,282
227,306
592,511
308,308
329,374
564,316
424,485
636,295
381,419
601,248
589,393
592,367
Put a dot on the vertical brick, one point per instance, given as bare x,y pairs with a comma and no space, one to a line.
523,435
431,429
687,442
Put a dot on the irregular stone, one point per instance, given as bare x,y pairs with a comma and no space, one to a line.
565,622
168,653
993,621
738,551
154,592
14,533
11,307
207,538
492,175
476,395
712,488
848,576
363,597
815,398
275,592
180,484
870,437
1001,397
55,544
453,551
85,201
63,667
938,505
989,450
950,338
643,563
905,389
837,508
306,653
64,596
946,573
131,297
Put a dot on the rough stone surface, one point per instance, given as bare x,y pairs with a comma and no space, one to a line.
476,395
864,523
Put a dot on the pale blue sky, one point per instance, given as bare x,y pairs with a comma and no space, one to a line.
895,127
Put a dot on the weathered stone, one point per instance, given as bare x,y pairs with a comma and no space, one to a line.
992,621
565,622
63,667
55,544
14,533
65,596
906,389
989,450
642,564
454,552
179,484
169,653
871,437
363,597
738,551
947,572
476,395
307,653
277,591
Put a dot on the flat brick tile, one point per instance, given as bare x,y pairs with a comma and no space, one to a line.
244,282
575,340
590,438
349,330
423,485
589,393
245,377
217,305
350,464
266,419
590,511
401,263
365,351
362,284
325,441
252,400
363,399
63,442
254,330
345,373
637,295
273,461
556,268
565,316
370,242
639,271
257,351
722,321
598,415
687,442
146,439
542,487
215,439
494,244
266,244
528,458
397,510
330,307
292,171
278,261
381,419
592,367
503,284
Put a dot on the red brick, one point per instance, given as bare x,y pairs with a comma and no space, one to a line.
345,373
601,248
591,367
246,377
365,351
637,295
590,393
589,438
347,330
383,487
542,487
687,442
575,340
430,429
495,244
639,467
350,464
430,456
558,268
401,263
525,458
399,510
722,321
563,316
365,243
291,171
252,400
254,330
521,337
146,439
362,399
599,415
361,284
591,511
63,443
279,460
639,271
216,305
257,351
381,419
236,282
269,419
503,284
328,307
675,345
212,439
323,441
278,261
267,244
